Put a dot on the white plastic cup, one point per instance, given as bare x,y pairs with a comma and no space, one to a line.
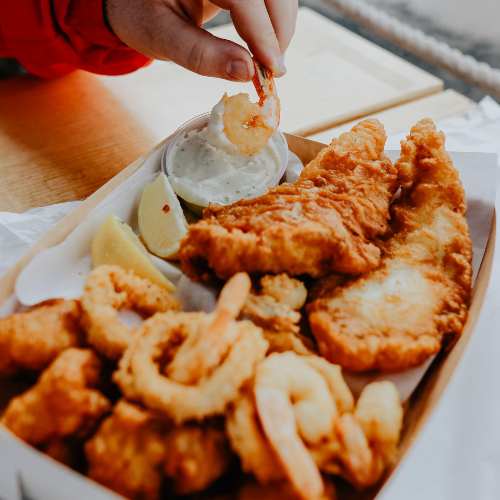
200,122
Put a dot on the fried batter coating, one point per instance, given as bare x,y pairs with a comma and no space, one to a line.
280,490
273,310
398,315
197,456
365,441
110,288
285,290
321,223
32,340
249,442
62,403
128,452
134,448
143,373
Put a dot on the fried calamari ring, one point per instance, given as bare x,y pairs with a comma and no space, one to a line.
110,288
141,370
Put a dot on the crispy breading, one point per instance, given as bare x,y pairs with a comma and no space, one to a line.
399,314
31,340
128,452
321,223
275,310
135,448
197,456
62,403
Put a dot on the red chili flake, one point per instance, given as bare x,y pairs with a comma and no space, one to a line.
166,209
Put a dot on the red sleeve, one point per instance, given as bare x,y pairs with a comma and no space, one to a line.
54,37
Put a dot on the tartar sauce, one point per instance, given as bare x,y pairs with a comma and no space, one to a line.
203,174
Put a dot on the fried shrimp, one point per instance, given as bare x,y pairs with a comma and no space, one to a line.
110,288
143,373
365,441
33,339
62,403
294,405
249,442
203,352
239,126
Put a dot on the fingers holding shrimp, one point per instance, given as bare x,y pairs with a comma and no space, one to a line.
266,26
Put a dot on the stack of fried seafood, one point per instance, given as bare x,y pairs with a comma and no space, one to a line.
391,283
202,397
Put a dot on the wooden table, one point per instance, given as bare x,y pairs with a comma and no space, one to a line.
62,139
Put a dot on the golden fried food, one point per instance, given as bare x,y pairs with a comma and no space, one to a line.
280,490
295,409
134,449
365,441
62,403
265,311
321,223
398,315
143,374
308,417
274,309
197,456
248,441
202,353
110,288
128,452
284,289
33,339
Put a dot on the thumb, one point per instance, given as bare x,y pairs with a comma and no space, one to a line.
199,51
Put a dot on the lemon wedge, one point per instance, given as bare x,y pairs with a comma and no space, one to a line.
115,243
161,219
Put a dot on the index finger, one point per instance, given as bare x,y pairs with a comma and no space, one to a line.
253,23
283,15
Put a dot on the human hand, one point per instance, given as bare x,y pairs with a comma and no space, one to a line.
171,30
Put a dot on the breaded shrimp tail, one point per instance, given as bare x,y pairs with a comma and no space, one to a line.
321,223
399,314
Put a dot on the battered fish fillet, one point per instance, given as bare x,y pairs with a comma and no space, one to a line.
62,403
399,314
135,448
31,340
321,223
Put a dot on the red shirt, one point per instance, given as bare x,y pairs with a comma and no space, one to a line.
54,37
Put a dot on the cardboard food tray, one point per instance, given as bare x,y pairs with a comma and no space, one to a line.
41,478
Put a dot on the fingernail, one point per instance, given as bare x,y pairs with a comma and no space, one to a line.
237,69
281,65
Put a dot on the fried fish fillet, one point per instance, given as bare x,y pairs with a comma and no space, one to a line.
321,223
31,340
398,315
62,403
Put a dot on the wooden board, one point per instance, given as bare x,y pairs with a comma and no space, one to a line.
401,118
62,139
